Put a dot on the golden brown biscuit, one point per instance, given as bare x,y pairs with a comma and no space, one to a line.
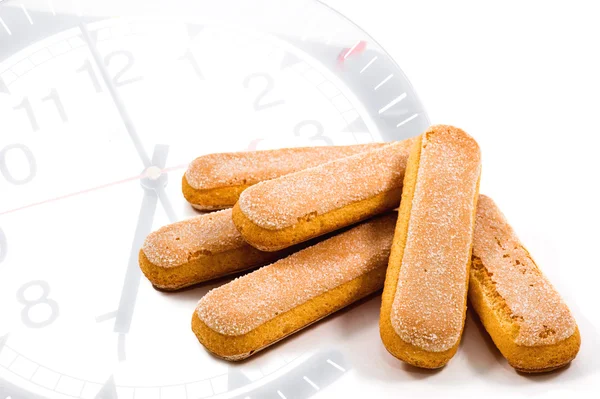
525,316
215,181
425,294
198,249
256,310
275,214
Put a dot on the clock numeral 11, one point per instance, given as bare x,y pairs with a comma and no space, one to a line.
28,108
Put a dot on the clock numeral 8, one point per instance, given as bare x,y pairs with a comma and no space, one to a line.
41,300
3,245
30,162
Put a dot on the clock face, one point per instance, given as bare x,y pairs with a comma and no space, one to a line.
102,105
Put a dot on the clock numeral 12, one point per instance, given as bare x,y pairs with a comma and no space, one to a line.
118,79
41,300
28,108
30,161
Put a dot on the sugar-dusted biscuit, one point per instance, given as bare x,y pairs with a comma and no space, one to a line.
425,295
198,249
252,312
525,316
215,181
275,214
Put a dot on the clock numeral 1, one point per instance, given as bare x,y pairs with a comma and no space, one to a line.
30,161
318,129
191,58
3,245
87,67
41,300
26,105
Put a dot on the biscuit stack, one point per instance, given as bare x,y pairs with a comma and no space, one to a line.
322,220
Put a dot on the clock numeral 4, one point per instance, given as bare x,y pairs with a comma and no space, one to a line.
3,245
268,86
119,78
5,171
30,304
28,108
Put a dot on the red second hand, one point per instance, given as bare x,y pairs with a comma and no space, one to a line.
88,190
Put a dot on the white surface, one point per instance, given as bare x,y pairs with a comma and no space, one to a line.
523,79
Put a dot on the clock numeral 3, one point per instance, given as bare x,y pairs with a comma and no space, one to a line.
30,162
269,85
318,129
28,108
3,245
41,300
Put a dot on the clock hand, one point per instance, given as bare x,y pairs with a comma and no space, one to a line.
137,142
91,189
127,121
131,283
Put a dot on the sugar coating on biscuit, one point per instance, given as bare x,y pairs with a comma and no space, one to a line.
283,202
428,308
537,308
247,168
247,302
178,243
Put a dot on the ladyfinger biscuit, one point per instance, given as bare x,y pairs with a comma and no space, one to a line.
425,294
525,316
297,207
198,249
252,312
215,181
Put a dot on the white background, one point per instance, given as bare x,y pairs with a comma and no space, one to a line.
524,79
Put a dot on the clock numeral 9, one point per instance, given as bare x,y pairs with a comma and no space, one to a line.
269,84
118,79
3,245
41,300
318,129
27,107
30,161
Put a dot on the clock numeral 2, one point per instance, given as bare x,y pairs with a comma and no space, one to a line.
318,129
28,108
269,84
30,161
3,245
118,79
41,300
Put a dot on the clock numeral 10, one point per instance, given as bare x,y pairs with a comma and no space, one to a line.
3,245
118,79
26,152
28,108
42,299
